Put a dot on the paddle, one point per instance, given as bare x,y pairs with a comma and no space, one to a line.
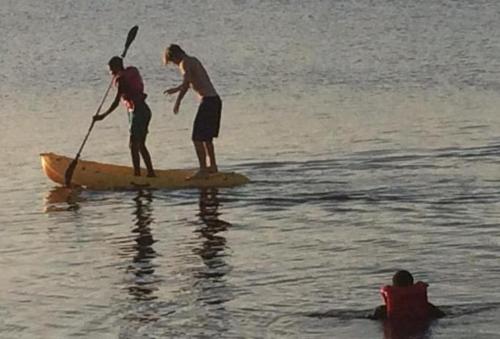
71,168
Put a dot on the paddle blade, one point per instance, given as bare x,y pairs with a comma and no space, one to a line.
130,38
69,172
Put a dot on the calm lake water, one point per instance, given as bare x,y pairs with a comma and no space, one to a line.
370,131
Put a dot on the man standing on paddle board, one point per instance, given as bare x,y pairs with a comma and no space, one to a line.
130,88
207,122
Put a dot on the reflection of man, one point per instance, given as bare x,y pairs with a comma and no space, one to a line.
210,288
142,266
214,245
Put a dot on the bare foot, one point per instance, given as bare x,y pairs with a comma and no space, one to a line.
151,175
213,170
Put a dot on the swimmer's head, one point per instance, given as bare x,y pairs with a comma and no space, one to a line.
402,278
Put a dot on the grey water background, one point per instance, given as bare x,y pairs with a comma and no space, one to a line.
370,131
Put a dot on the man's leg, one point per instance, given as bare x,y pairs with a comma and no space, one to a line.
139,130
211,156
136,160
147,159
202,155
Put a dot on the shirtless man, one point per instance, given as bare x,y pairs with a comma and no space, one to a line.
207,122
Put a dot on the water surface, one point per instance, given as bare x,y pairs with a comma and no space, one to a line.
370,131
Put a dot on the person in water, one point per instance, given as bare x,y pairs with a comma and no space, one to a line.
130,89
207,122
406,301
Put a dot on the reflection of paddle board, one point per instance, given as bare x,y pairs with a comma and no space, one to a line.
63,199
99,176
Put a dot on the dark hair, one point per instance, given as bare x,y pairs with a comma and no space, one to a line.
402,278
115,62
173,52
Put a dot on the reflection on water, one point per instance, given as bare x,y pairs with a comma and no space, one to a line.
143,286
142,307
211,288
63,199
212,249
413,330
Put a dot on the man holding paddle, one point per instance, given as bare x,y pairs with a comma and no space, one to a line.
130,89
207,121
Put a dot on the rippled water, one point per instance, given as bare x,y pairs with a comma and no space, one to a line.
370,131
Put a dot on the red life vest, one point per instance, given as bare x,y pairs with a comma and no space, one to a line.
406,302
132,86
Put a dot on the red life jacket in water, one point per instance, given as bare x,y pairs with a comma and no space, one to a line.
132,86
408,302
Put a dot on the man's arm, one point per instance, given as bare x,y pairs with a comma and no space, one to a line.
183,88
186,67
380,313
113,106
172,90
435,312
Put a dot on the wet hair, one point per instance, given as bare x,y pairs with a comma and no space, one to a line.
402,278
115,62
173,52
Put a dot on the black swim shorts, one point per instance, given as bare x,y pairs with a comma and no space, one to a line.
207,122
139,120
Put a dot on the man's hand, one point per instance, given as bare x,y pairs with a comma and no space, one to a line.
171,91
98,117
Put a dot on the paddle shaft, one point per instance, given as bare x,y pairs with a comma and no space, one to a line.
93,121
71,168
